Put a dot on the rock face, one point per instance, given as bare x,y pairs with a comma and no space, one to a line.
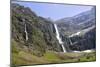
84,41
79,32
32,33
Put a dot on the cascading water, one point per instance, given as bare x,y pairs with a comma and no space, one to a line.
70,41
59,39
25,30
26,33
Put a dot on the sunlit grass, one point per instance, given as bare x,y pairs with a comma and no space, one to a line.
25,58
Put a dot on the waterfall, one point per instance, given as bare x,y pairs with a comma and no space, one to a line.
58,38
26,33
70,41
25,30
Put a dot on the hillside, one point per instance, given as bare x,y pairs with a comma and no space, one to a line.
40,32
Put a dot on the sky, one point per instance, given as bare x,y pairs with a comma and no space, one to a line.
55,11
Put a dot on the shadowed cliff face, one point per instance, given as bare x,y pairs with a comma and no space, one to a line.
40,31
85,41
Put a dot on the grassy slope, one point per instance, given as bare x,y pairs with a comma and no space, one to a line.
25,58
21,57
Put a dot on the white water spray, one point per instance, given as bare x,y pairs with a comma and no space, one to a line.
26,33
58,38
70,41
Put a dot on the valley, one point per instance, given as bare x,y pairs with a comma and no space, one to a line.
38,40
